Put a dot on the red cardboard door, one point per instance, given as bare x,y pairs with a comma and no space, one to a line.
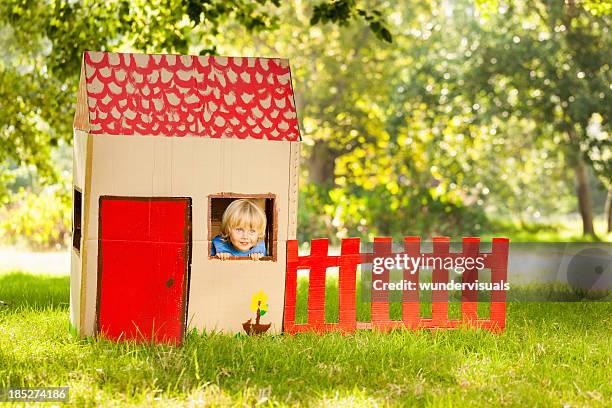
143,267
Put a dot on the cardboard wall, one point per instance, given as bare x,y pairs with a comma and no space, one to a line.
75,289
294,172
220,291
81,114
79,159
79,164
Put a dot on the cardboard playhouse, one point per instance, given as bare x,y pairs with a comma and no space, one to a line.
162,145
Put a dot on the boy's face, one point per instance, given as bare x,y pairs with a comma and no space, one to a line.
243,238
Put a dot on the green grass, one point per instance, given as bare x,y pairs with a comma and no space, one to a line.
551,354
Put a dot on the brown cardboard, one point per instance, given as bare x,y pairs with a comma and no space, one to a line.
81,116
115,172
197,167
85,270
75,289
90,282
162,163
237,281
129,166
79,157
294,170
79,161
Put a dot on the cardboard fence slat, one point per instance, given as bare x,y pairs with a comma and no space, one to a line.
350,258
439,297
380,298
469,297
347,283
316,287
290,286
410,304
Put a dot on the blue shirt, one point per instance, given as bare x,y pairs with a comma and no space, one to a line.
221,246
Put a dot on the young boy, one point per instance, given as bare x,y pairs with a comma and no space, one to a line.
243,228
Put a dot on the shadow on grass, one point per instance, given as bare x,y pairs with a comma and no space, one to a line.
24,290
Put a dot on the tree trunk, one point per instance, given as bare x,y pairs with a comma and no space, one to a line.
322,163
584,196
609,209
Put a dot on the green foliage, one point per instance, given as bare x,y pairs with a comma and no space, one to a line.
40,221
598,7
343,11
474,111
414,139
549,63
42,44
314,199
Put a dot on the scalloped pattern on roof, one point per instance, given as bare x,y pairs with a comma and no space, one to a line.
184,95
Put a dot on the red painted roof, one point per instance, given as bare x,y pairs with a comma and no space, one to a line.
185,95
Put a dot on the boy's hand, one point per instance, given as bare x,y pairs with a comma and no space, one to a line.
256,256
224,256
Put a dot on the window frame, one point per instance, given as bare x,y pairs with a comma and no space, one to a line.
271,227
77,222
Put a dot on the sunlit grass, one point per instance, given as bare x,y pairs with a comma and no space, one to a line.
552,354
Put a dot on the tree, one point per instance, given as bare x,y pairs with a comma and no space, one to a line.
43,43
370,148
403,138
428,135
549,62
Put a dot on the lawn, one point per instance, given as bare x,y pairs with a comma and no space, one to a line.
551,354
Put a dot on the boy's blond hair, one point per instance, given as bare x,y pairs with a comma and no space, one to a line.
243,213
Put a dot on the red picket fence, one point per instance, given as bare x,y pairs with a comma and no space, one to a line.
350,257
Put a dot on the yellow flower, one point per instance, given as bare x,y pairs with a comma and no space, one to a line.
259,300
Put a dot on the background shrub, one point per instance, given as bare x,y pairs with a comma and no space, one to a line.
37,220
